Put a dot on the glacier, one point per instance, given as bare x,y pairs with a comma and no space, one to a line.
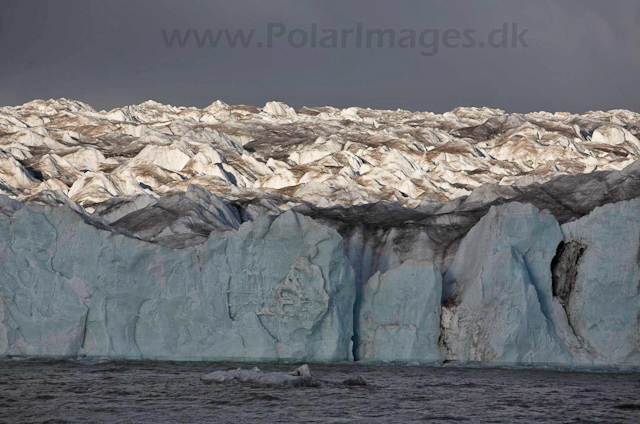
319,235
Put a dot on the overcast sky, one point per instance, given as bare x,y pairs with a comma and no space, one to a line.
582,55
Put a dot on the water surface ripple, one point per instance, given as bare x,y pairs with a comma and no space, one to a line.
39,391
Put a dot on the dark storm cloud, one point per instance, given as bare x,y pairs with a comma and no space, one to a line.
582,55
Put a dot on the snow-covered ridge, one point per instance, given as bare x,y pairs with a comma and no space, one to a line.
324,156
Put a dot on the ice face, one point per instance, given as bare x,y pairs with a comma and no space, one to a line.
502,306
498,290
280,290
521,289
399,317
603,306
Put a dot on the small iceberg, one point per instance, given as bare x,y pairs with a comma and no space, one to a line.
300,377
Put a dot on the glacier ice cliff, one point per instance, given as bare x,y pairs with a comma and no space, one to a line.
498,292
521,289
280,290
399,315
511,297
603,300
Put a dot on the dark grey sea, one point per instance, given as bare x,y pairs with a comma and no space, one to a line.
68,391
